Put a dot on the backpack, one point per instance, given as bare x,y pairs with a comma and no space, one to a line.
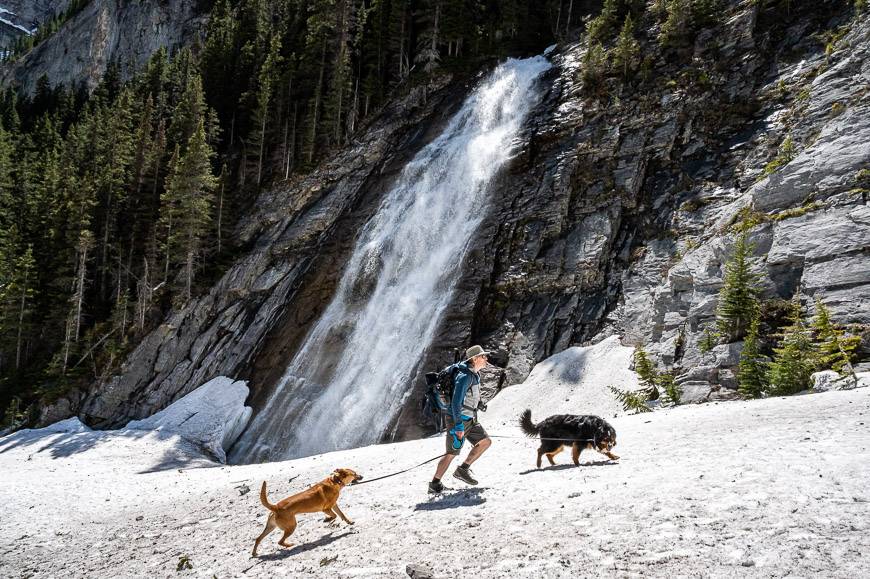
439,393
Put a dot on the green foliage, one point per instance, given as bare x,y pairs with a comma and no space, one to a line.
631,401
834,349
627,50
673,392
860,5
796,211
787,152
747,219
752,369
794,359
594,68
709,339
602,26
14,415
647,372
738,298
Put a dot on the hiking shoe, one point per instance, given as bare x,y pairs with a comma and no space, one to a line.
464,474
435,487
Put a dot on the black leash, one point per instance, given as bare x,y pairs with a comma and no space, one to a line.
399,472
543,438
445,454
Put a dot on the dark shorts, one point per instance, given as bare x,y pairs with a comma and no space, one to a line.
474,433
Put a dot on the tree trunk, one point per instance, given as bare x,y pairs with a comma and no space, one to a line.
21,320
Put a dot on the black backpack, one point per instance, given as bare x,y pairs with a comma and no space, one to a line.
439,393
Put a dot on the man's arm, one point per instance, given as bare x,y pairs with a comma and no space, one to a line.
460,387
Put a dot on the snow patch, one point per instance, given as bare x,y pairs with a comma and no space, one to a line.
574,381
212,416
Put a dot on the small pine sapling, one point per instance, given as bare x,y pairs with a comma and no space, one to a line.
632,401
794,360
751,372
834,349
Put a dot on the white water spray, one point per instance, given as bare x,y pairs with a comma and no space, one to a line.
350,376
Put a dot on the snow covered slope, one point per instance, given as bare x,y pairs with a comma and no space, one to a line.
573,381
765,488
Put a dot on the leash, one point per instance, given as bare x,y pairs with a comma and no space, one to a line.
542,438
399,472
445,454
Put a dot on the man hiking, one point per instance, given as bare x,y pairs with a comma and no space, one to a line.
462,421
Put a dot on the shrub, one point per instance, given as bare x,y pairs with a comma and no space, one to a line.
787,152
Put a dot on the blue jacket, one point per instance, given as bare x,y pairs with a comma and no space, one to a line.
466,395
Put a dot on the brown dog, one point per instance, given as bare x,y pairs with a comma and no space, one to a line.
322,497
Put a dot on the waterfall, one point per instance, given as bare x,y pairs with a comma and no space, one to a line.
350,376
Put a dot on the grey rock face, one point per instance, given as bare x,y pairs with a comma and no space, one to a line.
104,31
18,17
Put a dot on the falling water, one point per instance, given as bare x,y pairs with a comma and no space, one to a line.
350,376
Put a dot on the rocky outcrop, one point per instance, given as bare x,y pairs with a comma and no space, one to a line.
19,17
105,31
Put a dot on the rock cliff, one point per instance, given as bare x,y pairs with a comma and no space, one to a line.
105,31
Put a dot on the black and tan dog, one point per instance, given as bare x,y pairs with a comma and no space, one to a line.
322,497
577,431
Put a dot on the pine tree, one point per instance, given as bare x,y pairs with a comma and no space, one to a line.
738,298
267,81
627,50
834,349
678,23
187,201
631,401
602,26
794,359
594,68
752,373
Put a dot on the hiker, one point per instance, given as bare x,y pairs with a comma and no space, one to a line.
461,419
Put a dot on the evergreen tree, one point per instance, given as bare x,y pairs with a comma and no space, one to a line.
751,374
678,23
594,68
647,372
267,81
834,349
738,298
794,359
187,202
601,27
627,50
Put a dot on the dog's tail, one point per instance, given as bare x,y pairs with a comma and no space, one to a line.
526,423
265,500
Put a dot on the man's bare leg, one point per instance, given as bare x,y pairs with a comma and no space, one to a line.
475,453
443,464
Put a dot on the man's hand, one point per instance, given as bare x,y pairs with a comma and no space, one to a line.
459,434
